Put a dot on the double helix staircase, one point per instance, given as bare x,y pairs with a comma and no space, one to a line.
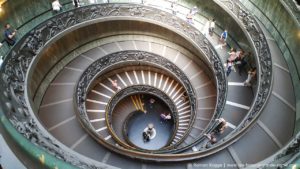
104,91
58,114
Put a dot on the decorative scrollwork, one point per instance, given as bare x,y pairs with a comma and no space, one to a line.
96,69
143,89
140,89
16,65
293,7
263,55
292,148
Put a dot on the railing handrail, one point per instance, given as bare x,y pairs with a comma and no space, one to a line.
5,45
149,59
172,107
292,9
219,145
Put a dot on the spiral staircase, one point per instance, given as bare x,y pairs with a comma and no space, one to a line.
59,101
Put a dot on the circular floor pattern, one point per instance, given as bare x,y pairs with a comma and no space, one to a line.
139,121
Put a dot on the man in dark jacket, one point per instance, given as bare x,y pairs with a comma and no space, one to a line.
9,35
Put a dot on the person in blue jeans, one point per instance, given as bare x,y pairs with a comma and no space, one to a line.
229,66
223,38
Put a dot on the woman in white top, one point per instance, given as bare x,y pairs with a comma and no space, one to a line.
149,133
205,30
1,57
56,6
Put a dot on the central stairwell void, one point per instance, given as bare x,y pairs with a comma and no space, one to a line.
138,121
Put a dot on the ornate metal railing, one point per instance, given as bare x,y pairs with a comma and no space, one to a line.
210,126
263,58
119,60
26,27
17,64
141,89
294,9
16,79
286,156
